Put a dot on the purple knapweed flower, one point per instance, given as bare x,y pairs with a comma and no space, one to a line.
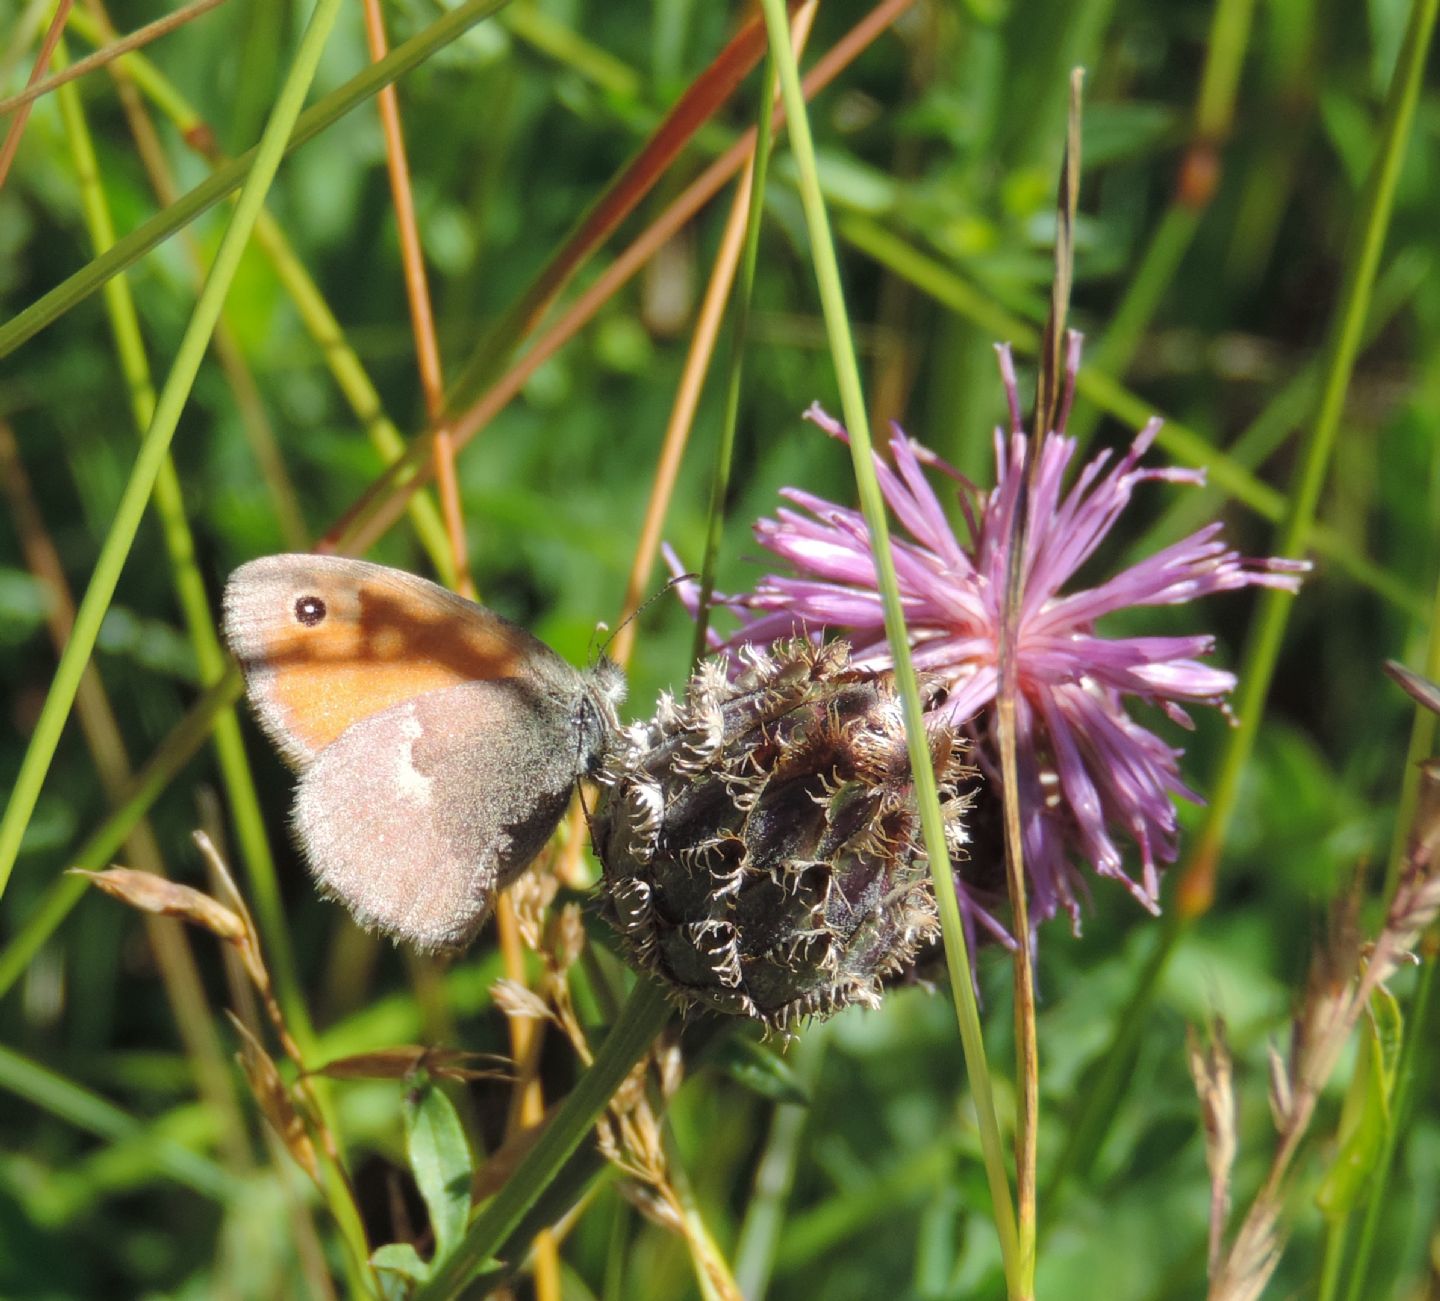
1090,774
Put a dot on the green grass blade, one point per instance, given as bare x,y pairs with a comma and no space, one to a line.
725,447
156,440
229,178
852,402
1342,345
145,788
92,1113
189,584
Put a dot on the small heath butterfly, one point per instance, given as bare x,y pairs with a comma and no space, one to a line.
437,743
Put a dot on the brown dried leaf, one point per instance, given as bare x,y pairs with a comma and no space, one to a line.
1210,1066
249,945
154,894
217,864
274,1099
403,1060
653,1205
1282,1095
514,999
567,936
1420,689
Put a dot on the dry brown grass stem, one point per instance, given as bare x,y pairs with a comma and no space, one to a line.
1345,973
422,316
179,974
381,507
122,45
528,1104
11,144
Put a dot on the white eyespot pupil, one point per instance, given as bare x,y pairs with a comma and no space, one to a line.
309,610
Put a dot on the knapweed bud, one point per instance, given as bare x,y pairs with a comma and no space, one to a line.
760,839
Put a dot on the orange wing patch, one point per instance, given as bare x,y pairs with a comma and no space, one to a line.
370,654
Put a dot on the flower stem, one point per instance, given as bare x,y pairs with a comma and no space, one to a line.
852,401
1048,405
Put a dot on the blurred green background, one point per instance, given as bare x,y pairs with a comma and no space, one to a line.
940,148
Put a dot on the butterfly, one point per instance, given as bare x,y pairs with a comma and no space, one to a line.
437,743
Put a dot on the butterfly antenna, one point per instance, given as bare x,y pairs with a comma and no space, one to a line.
640,609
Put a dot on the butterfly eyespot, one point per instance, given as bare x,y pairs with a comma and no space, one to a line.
309,610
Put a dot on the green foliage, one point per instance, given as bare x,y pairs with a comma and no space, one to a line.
440,1160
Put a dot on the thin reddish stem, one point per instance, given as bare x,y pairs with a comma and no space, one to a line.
379,507
42,61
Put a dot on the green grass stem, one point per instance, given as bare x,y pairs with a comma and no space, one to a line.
145,788
232,176
156,440
210,658
1342,345
740,330
95,1115
1103,1097
872,503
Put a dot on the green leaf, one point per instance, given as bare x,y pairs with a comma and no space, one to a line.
440,1160
755,1067
400,1258
1365,1115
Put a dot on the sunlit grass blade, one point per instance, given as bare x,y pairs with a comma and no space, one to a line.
642,1018
231,177
1342,344
842,350
156,440
1195,890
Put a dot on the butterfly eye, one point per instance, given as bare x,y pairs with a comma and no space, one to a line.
309,610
